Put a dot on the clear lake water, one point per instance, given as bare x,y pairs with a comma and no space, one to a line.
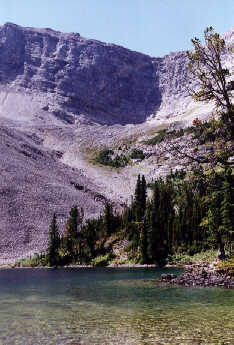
110,306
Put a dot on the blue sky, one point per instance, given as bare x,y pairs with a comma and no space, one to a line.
154,27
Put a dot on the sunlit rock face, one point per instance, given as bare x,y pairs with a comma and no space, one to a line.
107,83
72,76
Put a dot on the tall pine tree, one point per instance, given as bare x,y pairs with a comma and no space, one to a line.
72,236
54,243
140,198
227,208
108,219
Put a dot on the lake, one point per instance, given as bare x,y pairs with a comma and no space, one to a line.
110,306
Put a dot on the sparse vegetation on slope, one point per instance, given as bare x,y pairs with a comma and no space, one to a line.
105,157
164,134
115,159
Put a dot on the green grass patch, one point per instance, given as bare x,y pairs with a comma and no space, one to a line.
103,260
184,259
35,261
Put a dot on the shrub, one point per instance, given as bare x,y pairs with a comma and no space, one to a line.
104,158
137,154
157,139
35,261
185,259
102,261
162,135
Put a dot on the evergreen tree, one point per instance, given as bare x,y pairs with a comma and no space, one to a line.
108,219
205,65
173,221
145,226
155,238
72,240
227,208
140,198
143,195
137,200
54,243
90,238
214,222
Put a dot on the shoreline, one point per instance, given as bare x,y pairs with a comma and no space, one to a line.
195,275
85,266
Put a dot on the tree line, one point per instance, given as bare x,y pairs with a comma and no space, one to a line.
184,215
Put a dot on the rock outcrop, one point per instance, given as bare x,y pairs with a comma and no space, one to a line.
105,82
201,275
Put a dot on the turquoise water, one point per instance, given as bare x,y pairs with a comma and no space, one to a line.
110,306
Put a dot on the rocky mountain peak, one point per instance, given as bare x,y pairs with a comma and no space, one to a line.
107,83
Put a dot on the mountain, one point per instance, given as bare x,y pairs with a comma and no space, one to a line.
63,98
71,75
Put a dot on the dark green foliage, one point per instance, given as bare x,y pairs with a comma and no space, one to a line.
103,260
143,194
104,157
140,198
119,161
143,242
227,208
157,139
161,213
203,131
137,200
108,219
137,154
89,240
184,216
54,243
165,134
72,237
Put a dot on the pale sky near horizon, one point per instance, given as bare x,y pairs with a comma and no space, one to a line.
154,27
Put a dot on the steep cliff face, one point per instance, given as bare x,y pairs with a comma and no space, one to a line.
107,83
172,80
71,76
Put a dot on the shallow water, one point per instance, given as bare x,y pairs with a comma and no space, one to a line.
110,306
